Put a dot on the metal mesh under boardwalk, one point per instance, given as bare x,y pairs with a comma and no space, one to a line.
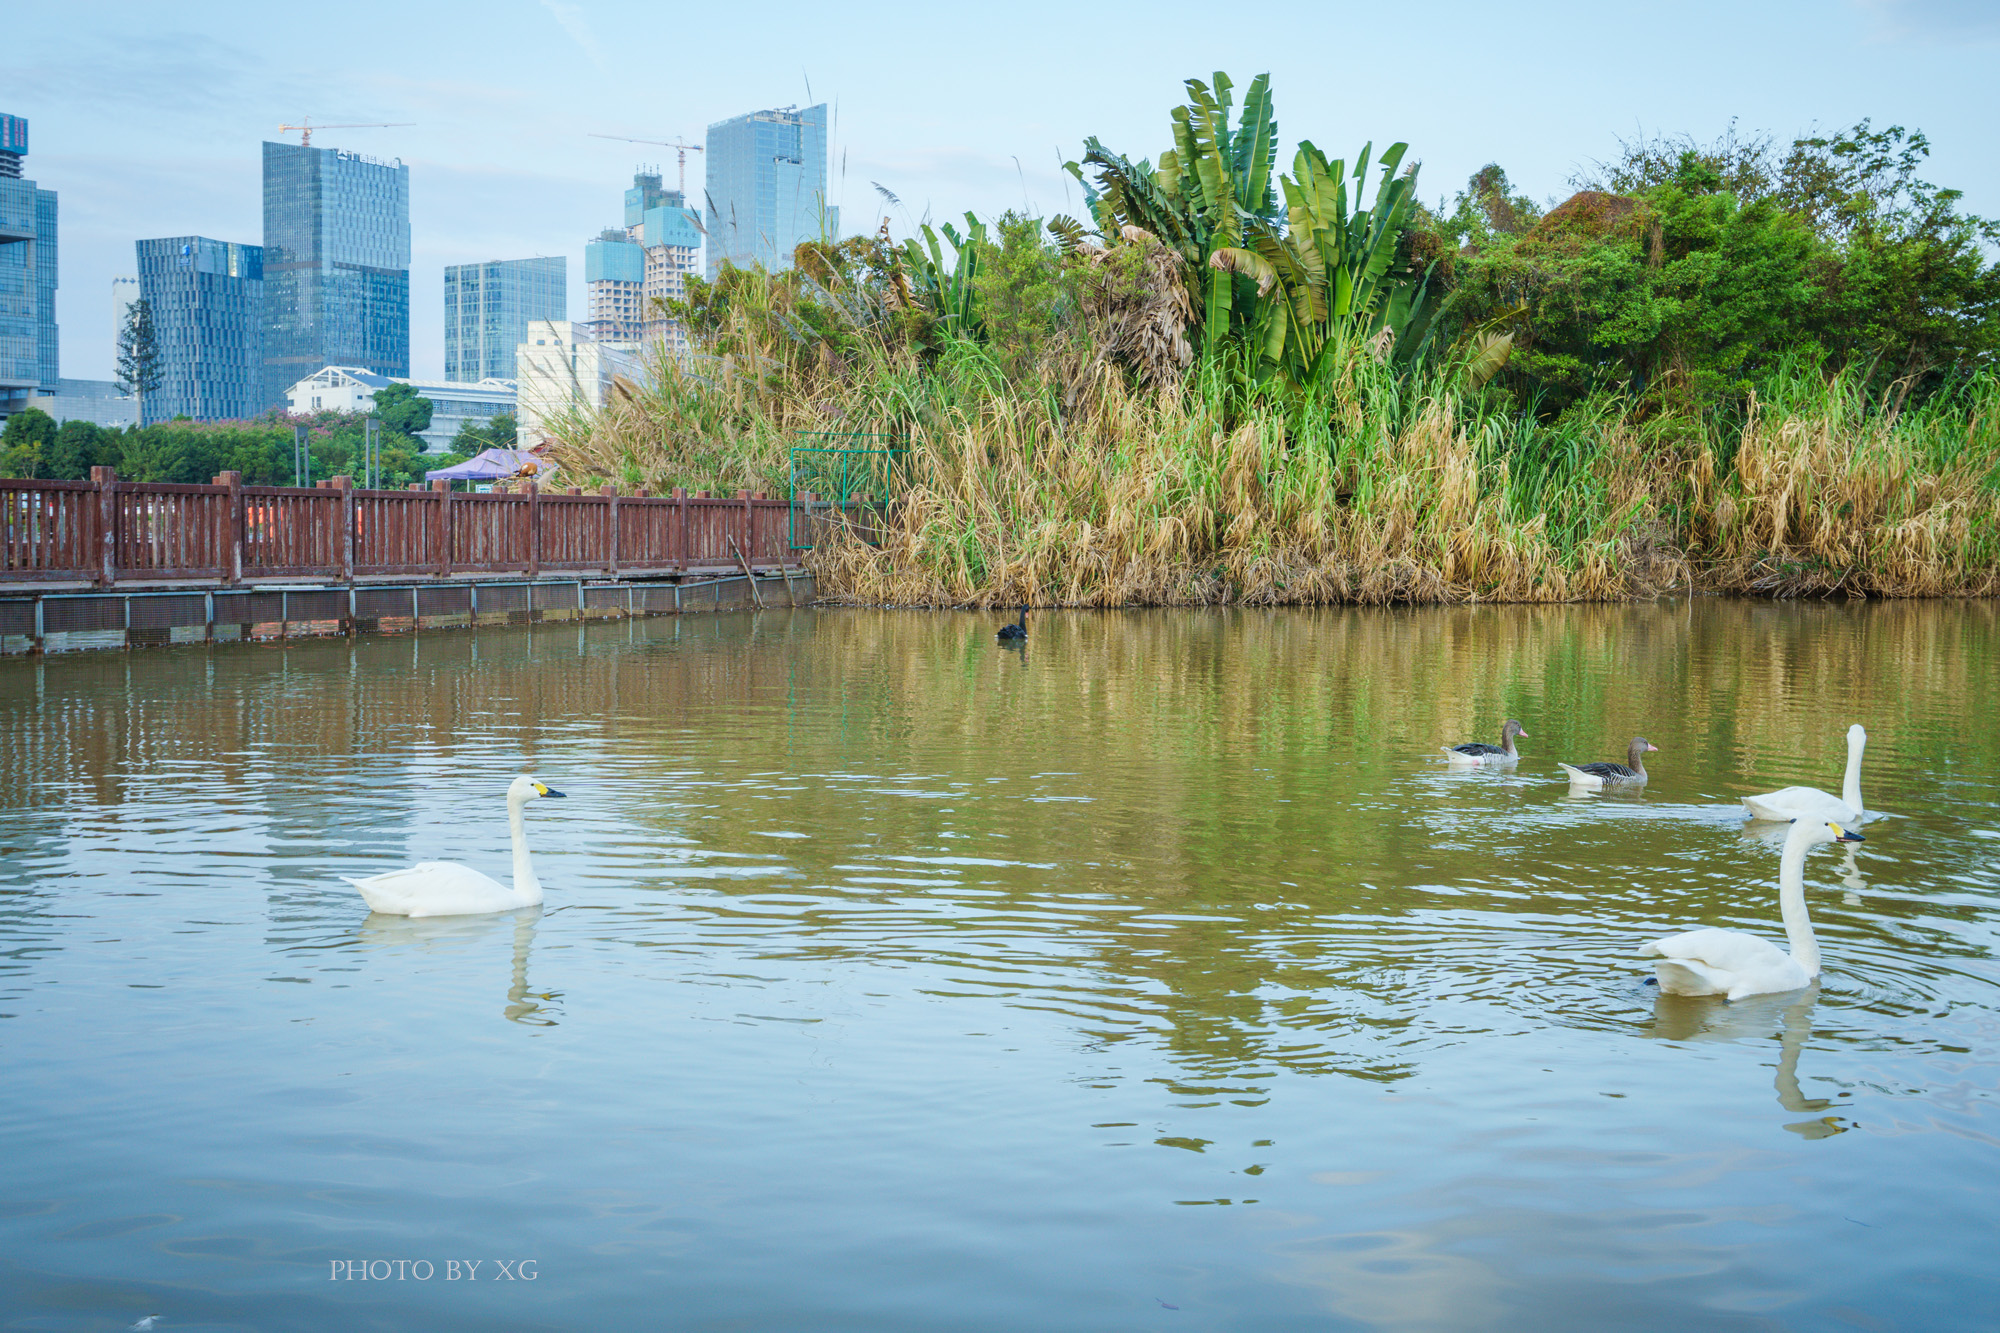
59,622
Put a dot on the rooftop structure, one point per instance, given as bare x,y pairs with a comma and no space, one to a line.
101,402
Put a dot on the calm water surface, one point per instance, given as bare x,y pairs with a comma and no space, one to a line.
1159,976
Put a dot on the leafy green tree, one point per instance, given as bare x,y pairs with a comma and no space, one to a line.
80,446
139,351
25,444
497,432
192,453
1026,306
403,410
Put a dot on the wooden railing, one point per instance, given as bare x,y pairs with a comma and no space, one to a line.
106,531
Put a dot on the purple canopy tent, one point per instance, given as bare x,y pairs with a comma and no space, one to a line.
495,465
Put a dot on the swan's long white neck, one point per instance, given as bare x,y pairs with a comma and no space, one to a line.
526,886
1792,899
1850,788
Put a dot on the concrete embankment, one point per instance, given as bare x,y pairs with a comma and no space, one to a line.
53,621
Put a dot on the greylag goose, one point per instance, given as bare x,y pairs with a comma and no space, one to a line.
1631,773
1479,752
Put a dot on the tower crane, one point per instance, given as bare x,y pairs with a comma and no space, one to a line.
663,143
305,127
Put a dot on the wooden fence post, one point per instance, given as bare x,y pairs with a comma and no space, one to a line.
232,559
610,492
681,541
534,529
443,491
106,481
345,485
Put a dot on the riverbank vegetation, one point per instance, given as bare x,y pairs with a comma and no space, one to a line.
1737,365
34,446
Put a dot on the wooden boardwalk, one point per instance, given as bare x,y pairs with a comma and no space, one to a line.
105,533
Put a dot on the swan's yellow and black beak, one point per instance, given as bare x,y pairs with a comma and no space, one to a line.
540,790
1844,834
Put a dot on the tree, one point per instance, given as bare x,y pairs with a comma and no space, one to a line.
493,433
24,444
78,447
139,351
403,410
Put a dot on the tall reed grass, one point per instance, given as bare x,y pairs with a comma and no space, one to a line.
1384,485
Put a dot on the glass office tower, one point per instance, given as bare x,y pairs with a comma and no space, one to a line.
767,187
207,299
336,265
487,308
28,347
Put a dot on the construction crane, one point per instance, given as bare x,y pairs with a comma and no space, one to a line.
662,143
305,127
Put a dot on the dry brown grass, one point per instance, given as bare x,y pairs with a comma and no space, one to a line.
1826,499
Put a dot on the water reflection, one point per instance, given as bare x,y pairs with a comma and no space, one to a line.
440,933
998,965
1682,1018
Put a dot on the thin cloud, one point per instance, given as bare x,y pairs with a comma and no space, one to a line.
577,25
1936,20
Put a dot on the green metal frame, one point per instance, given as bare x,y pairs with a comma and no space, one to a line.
835,473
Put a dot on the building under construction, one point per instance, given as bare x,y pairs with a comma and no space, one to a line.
630,273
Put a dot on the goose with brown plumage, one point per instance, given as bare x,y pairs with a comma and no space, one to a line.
1597,777
1479,752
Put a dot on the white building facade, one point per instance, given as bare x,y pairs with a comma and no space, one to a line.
453,405
563,368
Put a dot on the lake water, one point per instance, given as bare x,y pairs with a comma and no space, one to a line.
1158,976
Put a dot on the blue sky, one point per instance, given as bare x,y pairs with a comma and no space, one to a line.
147,117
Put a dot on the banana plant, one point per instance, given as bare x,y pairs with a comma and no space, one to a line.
1210,190
1336,260
1284,286
946,290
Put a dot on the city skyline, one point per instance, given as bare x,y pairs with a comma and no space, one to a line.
503,165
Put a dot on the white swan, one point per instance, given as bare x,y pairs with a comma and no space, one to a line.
1736,964
1813,804
442,888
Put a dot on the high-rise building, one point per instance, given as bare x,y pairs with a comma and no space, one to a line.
29,363
336,265
767,174
614,276
208,304
487,308
630,273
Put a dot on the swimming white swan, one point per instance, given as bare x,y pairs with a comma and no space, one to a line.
442,888
1813,804
1479,752
1736,964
